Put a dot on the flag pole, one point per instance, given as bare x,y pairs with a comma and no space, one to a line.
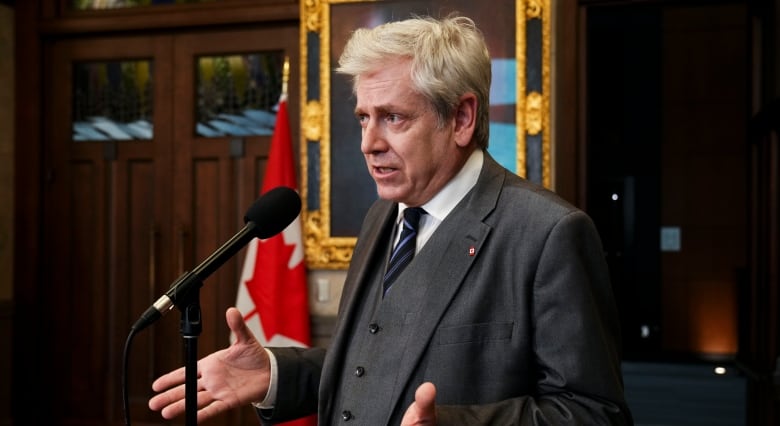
285,76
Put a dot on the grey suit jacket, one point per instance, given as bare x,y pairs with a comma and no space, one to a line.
511,315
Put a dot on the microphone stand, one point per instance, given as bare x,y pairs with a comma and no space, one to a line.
186,297
190,328
185,291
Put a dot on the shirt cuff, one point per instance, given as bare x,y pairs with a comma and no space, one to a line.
270,397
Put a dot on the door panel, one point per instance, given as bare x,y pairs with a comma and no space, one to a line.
102,201
218,178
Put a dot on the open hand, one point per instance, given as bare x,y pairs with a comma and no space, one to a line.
229,378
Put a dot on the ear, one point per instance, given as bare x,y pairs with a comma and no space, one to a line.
465,119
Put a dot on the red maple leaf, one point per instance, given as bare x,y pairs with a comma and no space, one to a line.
272,299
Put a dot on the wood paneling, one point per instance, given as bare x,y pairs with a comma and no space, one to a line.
121,220
106,205
703,178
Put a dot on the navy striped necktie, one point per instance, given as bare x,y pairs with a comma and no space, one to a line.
404,250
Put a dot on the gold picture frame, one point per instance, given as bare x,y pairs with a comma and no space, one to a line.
330,224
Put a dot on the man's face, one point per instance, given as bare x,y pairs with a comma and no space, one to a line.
407,153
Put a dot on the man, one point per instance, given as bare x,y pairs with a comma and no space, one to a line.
505,314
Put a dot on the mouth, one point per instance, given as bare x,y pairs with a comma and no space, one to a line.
383,170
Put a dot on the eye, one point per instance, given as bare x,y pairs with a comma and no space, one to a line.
362,119
393,118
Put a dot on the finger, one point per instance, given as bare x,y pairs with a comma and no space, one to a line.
237,325
174,410
174,378
173,403
167,398
170,403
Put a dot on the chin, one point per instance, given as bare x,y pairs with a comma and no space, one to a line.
389,194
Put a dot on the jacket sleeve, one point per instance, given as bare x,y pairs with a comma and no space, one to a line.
299,380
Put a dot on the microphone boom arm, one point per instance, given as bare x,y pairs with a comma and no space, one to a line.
177,294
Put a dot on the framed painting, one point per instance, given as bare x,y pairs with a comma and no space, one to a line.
335,185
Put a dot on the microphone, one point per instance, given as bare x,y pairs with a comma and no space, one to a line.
268,216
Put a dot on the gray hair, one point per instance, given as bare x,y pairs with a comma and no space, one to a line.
449,58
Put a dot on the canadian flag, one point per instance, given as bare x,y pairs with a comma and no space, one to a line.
272,291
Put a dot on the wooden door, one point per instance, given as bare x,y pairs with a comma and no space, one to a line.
106,215
123,218
217,178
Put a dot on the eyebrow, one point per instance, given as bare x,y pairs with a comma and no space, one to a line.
381,108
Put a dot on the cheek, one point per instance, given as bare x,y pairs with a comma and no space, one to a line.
421,166
420,152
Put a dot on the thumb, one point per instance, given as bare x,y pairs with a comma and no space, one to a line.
423,410
235,322
425,395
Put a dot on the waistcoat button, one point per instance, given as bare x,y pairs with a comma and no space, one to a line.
346,415
373,328
360,371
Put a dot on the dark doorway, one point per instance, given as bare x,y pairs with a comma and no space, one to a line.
666,102
624,133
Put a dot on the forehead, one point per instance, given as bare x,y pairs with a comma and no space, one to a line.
387,85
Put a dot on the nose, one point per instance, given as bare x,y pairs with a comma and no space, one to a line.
372,139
